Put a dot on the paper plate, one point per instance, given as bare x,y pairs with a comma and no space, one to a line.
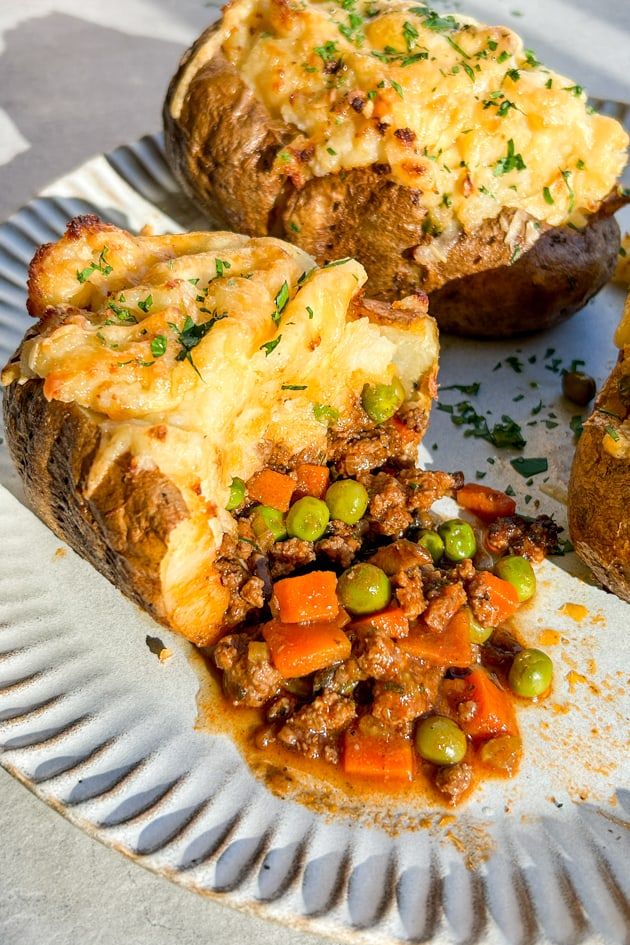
99,728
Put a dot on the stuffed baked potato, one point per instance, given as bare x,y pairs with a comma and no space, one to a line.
162,370
435,150
599,488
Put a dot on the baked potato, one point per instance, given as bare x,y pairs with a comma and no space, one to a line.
163,369
599,488
435,150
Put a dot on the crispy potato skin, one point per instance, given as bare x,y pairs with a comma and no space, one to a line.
546,285
599,490
221,145
122,528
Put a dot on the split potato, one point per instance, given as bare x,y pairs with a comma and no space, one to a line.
161,368
436,150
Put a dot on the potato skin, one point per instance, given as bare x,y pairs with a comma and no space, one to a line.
122,528
546,285
221,142
599,489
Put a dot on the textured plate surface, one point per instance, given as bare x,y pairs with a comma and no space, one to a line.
104,732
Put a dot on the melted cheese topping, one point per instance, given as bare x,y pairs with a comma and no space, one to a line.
196,350
458,110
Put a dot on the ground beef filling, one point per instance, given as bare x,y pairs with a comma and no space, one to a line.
380,683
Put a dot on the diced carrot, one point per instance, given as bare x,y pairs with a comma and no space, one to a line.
271,488
310,596
299,649
373,756
500,594
391,621
449,647
311,480
494,712
405,433
485,502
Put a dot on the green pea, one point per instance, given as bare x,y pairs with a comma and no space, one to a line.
267,521
478,633
519,572
459,539
364,589
347,500
432,542
237,494
530,674
381,401
440,740
307,519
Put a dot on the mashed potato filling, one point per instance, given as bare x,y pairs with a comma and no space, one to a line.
196,350
455,109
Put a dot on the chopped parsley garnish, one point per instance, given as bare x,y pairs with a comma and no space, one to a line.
327,52
505,434
492,45
158,346
101,266
502,57
484,190
576,424
280,302
481,474
145,304
527,467
566,176
397,88
549,84
547,195
518,249
580,165
293,387
511,162
331,151
576,90
220,265
123,315
446,200
515,363
470,389
513,74
457,47
294,227
189,336
510,491
193,281
532,59
410,34
469,72
284,156
324,413
612,433
310,311
270,346
434,22
337,262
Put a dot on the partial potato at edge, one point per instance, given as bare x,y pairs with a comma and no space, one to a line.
599,489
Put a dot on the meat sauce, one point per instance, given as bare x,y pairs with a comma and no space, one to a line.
317,681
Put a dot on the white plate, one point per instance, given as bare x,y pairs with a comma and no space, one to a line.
104,732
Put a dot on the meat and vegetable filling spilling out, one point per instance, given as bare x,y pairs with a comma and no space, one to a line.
368,632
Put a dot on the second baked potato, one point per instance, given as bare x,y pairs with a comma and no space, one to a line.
434,149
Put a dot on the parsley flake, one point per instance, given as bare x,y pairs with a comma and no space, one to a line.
270,346
101,266
158,346
511,162
189,336
527,467
145,304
